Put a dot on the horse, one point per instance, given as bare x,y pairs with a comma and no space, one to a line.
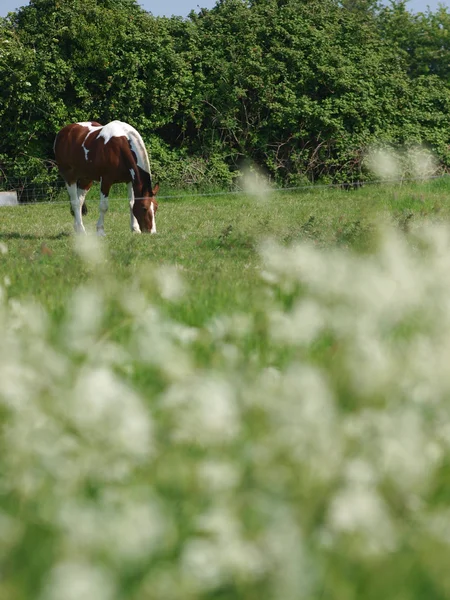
112,153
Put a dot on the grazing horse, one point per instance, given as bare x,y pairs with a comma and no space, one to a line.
113,153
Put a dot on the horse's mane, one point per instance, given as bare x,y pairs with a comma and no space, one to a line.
139,145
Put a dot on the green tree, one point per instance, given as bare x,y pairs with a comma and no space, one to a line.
299,87
302,87
93,59
422,39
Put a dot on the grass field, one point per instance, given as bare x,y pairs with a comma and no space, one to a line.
213,241
251,404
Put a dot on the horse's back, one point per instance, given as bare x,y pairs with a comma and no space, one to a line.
92,151
70,150
72,137
116,129
73,134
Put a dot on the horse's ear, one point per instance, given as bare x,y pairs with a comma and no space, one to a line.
155,190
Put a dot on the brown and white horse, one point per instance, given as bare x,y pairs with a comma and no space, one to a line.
114,153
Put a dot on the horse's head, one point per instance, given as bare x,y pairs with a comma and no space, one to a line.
144,210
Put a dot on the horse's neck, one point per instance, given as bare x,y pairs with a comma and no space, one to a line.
142,184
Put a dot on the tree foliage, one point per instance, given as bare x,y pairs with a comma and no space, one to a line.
300,87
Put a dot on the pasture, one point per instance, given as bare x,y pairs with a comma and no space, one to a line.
250,404
211,240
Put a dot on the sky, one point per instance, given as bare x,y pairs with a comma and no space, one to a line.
182,8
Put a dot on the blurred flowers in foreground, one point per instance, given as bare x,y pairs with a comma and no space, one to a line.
306,456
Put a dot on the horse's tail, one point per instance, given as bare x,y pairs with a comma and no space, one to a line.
84,210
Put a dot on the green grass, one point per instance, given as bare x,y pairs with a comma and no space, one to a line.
280,430
213,240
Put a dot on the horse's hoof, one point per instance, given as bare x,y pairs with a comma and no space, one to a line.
101,232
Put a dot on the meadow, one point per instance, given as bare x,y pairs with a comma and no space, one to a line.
212,240
252,403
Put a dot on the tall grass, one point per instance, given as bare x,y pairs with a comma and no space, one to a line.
251,404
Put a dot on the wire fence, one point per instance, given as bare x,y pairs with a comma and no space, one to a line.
30,193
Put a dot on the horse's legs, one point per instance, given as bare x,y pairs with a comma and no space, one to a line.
76,207
83,186
104,191
133,221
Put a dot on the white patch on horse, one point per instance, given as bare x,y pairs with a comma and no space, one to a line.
153,230
90,126
133,221
120,129
133,174
114,129
76,199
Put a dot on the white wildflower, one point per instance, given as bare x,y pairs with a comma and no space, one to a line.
90,249
106,409
361,511
124,527
17,383
222,554
405,451
238,325
157,341
74,580
303,417
200,563
218,476
170,284
184,334
300,326
383,163
370,363
84,318
133,301
421,161
204,410
218,327
28,315
359,472
255,183
294,572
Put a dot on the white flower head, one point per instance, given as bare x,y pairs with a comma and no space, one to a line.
255,183
204,410
384,163
90,249
422,162
360,510
218,476
71,580
170,283
84,318
107,410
